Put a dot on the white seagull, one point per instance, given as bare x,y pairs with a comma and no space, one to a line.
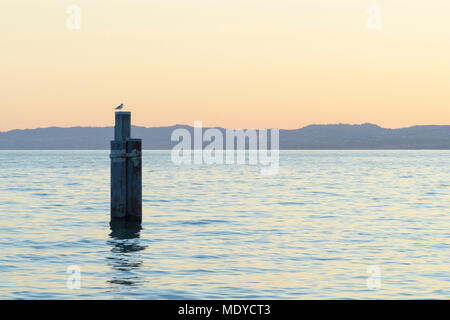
120,107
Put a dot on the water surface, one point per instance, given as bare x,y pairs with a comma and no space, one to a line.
226,231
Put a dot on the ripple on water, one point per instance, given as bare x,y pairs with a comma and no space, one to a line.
223,231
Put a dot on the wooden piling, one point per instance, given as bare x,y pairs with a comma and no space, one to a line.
134,179
126,172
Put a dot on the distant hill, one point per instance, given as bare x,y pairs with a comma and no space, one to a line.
335,136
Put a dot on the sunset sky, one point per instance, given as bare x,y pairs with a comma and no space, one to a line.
231,63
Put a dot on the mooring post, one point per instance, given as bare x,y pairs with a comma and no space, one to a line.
126,172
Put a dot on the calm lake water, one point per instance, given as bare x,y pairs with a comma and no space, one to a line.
226,231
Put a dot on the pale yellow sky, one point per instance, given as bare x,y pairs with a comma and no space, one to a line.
231,63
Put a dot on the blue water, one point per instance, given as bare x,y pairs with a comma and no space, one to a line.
226,231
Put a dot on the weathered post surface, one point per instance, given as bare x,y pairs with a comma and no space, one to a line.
126,172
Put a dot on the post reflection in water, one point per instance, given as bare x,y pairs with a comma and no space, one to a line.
125,258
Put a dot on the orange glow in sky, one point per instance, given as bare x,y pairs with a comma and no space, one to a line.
230,63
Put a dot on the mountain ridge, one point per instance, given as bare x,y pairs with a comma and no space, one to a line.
315,136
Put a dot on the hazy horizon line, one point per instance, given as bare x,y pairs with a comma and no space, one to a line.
235,128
